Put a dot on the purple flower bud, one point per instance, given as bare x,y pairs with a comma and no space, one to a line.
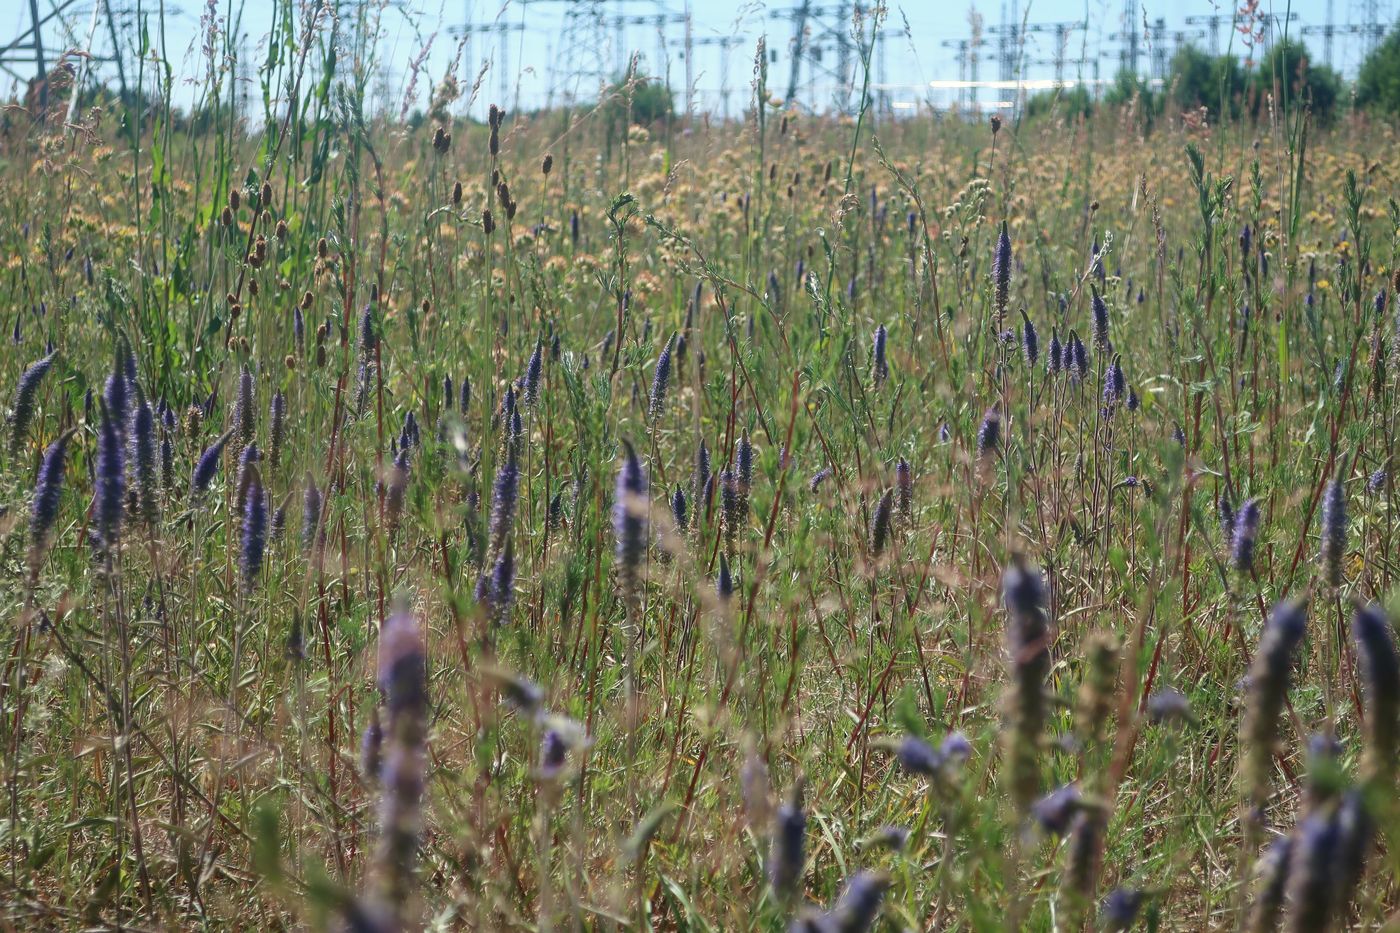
500,588
1169,706
368,332
679,513
48,493
918,757
788,854
1271,877
116,395
1120,909
504,496
1055,810
26,395
880,523
743,458
553,755
143,461
1054,356
1310,898
1001,272
1080,367
904,482
660,379
254,540
859,904
278,429
299,329
403,681
1334,529
371,748
880,367
700,481
310,512
724,583
397,489
1100,309
630,520
207,465
110,485
818,478
532,376
1030,340
1245,535
246,460
244,415
1378,669
989,434
1269,676
1114,383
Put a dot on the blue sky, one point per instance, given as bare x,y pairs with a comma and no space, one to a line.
539,55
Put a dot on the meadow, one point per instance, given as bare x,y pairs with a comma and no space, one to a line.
803,522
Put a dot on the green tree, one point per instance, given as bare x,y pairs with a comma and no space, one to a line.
1072,102
1378,83
1216,82
641,98
1288,73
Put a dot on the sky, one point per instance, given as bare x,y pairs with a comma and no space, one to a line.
538,53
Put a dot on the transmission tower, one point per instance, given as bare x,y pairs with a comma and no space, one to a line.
1213,22
1128,58
967,69
1062,32
1184,37
725,44
500,61
658,21
1369,31
820,31
28,58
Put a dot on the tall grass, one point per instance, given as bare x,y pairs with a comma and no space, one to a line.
949,632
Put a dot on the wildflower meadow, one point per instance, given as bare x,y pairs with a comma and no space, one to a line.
811,522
